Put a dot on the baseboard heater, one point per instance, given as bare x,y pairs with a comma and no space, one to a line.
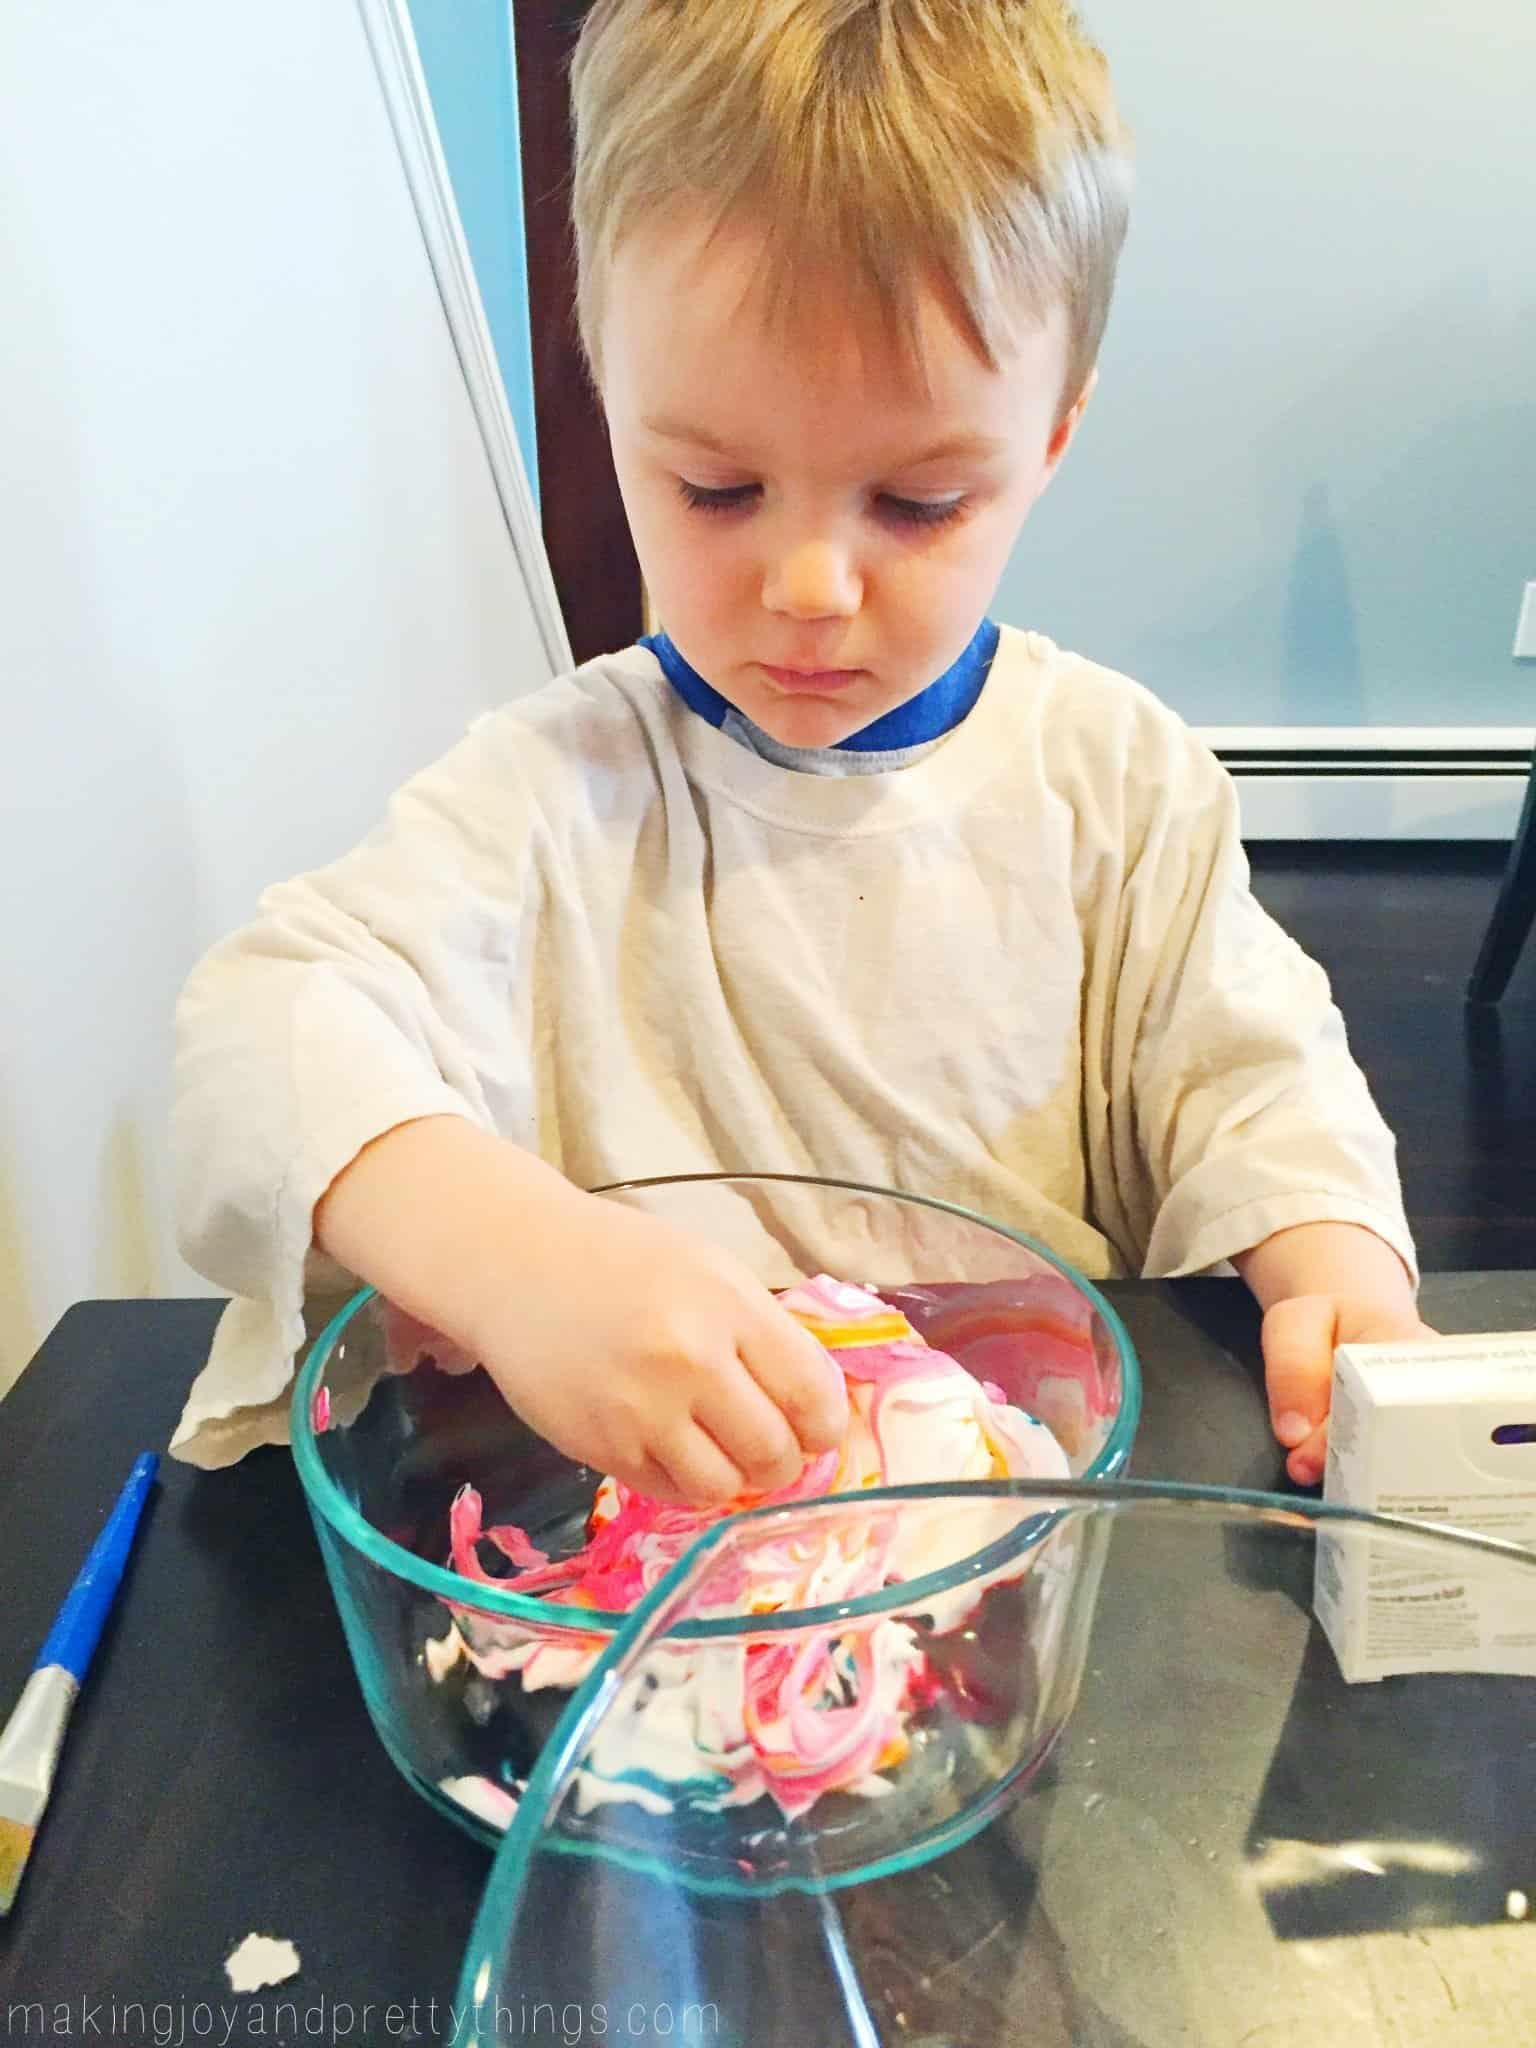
1375,782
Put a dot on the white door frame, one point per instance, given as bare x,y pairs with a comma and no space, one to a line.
392,40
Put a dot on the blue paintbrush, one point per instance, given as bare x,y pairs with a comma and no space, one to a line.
30,1744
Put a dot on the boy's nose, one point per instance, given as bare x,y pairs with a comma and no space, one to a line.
817,580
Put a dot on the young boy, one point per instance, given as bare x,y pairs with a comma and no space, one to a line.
831,876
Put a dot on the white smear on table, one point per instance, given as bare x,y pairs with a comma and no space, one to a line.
260,1961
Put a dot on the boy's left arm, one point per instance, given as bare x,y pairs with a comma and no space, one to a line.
1240,1128
1322,1284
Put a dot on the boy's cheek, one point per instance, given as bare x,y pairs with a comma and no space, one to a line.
694,584
673,551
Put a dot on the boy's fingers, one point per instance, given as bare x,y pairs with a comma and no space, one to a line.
1298,1340
699,1470
800,1379
1306,1462
750,1430
653,1480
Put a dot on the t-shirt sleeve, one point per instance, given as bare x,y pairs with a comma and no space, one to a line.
1231,1105
382,989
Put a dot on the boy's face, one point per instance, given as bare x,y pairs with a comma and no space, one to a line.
820,535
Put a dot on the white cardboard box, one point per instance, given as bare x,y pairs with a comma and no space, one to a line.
1442,1431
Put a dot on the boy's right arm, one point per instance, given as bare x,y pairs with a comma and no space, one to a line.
343,1067
629,1345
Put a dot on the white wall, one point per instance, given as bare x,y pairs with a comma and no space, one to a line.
1303,494
252,569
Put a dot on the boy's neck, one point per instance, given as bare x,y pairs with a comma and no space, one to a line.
888,742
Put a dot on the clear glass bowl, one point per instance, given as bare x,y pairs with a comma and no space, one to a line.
388,1425
1214,1839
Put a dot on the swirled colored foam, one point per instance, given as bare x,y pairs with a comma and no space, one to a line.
792,1716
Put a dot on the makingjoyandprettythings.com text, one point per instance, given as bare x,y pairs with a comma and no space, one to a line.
291,2022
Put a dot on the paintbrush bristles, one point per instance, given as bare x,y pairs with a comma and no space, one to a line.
15,1848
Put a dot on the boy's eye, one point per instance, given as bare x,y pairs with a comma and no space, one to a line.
702,499
905,511
921,511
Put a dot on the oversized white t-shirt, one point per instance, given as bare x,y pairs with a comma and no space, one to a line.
1024,973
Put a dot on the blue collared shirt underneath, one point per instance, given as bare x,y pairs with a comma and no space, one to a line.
891,740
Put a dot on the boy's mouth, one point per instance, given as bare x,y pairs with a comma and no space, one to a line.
811,681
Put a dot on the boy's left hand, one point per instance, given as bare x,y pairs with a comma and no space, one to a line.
1299,1336
1321,1285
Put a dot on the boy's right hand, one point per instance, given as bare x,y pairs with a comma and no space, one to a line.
631,1345
656,1356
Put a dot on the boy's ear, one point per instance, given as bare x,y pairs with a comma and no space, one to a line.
1061,440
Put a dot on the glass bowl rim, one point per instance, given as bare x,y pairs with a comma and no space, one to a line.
501,1603
591,1698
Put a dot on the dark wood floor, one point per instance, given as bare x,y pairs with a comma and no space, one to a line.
1398,928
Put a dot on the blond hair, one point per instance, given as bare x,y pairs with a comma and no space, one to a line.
976,141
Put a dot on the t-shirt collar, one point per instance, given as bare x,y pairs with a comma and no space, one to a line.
928,716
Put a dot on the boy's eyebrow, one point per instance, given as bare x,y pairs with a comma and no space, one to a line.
964,447
678,430
958,447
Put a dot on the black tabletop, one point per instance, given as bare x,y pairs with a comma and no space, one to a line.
221,1776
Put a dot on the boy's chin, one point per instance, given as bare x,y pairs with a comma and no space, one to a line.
809,722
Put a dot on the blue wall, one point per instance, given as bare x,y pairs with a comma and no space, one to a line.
1305,492
470,63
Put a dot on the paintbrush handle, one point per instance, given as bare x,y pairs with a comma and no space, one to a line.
73,1637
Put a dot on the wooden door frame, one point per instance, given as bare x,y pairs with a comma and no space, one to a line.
586,535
